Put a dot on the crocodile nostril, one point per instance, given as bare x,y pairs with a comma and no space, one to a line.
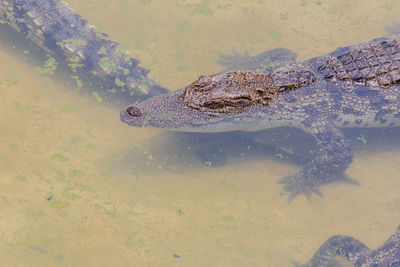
134,111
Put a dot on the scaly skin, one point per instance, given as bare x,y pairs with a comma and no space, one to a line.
354,251
355,86
57,29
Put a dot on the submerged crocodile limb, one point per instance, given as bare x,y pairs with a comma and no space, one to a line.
354,251
354,86
54,27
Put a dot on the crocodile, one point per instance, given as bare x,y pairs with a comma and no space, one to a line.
354,251
354,86
322,98
54,27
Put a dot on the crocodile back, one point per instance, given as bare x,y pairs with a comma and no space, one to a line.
376,65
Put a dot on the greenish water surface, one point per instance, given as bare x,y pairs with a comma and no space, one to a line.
80,188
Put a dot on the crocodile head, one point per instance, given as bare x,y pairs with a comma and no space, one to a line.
226,101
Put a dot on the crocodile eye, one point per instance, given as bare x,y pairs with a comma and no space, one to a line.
134,111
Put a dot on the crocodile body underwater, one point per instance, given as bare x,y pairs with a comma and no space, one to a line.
354,86
91,58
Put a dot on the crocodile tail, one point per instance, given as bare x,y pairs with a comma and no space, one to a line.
90,56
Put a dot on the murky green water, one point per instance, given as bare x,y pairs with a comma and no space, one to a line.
79,188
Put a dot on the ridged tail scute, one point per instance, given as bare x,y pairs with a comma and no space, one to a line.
55,27
374,66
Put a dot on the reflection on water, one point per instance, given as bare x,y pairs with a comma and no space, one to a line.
80,188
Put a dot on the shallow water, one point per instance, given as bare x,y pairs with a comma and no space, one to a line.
80,188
